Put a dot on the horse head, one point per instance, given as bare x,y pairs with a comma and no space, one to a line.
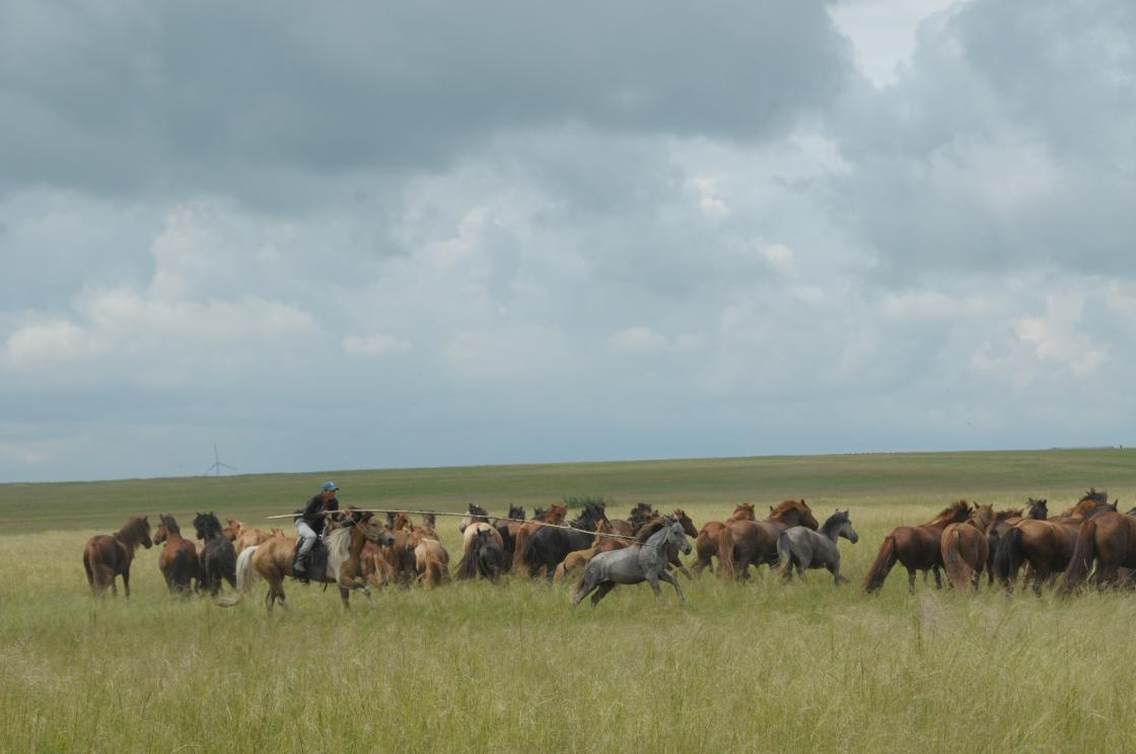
517,512
166,526
794,513
687,525
1037,509
840,525
676,535
743,512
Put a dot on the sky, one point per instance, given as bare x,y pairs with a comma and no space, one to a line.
367,235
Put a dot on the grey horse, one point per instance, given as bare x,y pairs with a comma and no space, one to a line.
632,565
804,548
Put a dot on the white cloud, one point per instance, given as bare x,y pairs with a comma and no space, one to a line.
44,345
1054,336
373,345
780,257
637,339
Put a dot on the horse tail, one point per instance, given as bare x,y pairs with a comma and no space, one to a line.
519,545
246,574
785,553
1008,559
993,539
885,559
87,567
726,553
1084,552
467,566
959,572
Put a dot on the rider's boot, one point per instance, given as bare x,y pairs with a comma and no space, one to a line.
300,566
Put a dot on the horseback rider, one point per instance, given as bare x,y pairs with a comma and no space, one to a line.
309,524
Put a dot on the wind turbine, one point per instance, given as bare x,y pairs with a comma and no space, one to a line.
217,464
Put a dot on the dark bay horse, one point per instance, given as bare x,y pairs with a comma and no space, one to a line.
554,514
178,560
918,548
706,542
218,556
1109,538
742,543
508,531
1003,520
548,546
106,556
1046,546
965,547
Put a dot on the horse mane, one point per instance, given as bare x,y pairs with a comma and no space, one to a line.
339,541
644,533
170,523
555,513
1008,513
477,512
208,524
743,512
786,506
516,511
134,530
833,521
952,514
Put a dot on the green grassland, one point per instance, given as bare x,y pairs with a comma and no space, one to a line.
476,667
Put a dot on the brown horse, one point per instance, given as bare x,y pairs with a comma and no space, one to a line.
742,543
273,559
106,556
706,541
178,560
431,560
1109,538
580,558
918,548
554,514
965,548
1045,546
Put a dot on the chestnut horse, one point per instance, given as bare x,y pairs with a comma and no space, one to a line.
273,561
965,548
741,543
178,560
1109,538
706,541
918,548
1045,546
106,556
1003,520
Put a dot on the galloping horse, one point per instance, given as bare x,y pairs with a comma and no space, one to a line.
218,556
1046,546
633,565
918,548
804,548
742,543
965,548
273,561
706,542
580,558
1109,538
106,556
178,560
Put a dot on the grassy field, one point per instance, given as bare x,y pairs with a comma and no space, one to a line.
475,667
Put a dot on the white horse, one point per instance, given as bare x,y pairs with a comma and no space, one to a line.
804,548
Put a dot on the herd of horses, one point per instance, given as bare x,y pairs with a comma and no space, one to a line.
1090,542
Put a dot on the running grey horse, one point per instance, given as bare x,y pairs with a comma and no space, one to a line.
632,565
804,548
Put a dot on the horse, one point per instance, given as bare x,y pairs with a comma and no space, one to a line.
1003,520
965,547
106,556
477,520
242,536
489,556
640,514
803,548
916,547
1046,546
219,557
431,561
393,563
508,530
555,514
178,560
706,542
548,546
633,565
1109,538
273,562
580,558
741,543
687,527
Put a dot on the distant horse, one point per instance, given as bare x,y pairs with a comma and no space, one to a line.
706,544
273,561
218,557
1003,520
508,531
580,558
106,556
547,547
489,556
1046,546
802,548
178,560
965,548
555,514
918,548
1109,538
633,565
476,521
742,543
392,563
431,560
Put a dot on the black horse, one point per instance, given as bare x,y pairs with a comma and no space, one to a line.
218,558
489,556
547,546
506,529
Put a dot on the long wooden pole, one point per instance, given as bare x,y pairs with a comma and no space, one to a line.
464,515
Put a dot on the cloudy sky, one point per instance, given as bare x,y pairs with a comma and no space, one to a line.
369,234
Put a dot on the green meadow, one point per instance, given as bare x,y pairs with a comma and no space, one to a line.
761,666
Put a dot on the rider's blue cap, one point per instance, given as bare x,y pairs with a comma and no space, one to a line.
329,487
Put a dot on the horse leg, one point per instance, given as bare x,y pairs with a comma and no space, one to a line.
345,595
602,591
938,577
588,584
911,580
654,584
126,582
664,576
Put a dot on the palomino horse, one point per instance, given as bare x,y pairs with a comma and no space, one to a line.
1109,538
545,548
706,543
633,565
918,548
106,556
803,548
554,514
218,557
431,560
742,543
178,559
965,548
242,536
273,561
1045,546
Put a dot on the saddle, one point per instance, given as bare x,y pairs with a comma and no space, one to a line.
317,559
